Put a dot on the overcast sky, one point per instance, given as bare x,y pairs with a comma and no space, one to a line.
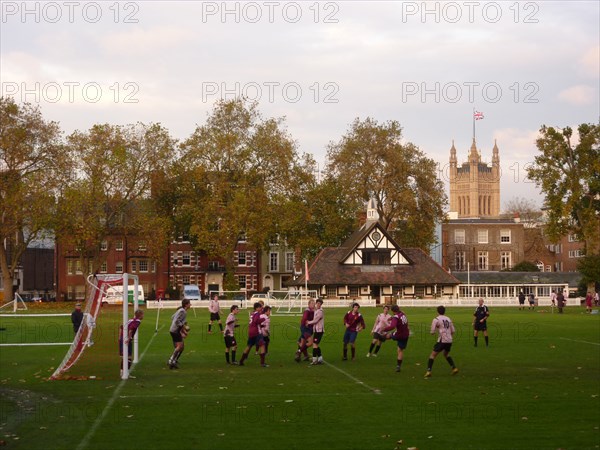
427,65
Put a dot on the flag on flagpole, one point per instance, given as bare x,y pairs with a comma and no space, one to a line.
477,115
306,275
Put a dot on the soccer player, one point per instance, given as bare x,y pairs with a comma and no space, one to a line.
531,301
230,342
254,335
481,315
521,300
265,327
306,332
178,331
560,301
588,302
553,298
399,323
354,322
132,326
215,312
382,321
445,329
318,326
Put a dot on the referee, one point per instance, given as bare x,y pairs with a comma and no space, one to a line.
481,315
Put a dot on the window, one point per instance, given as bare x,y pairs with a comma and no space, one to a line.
133,266
273,262
104,245
573,238
142,246
460,260
482,236
482,260
186,279
241,258
505,260
119,267
353,291
143,264
80,292
331,291
242,281
374,258
289,262
70,266
459,236
575,253
185,259
505,236
119,245
213,266
78,269
153,266
103,267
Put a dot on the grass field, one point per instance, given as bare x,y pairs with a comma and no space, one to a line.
536,387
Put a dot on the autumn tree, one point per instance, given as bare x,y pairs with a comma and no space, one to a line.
568,174
371,161
33,165
524,208
237,172
110,192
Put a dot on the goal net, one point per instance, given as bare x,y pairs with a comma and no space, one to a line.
98,287
293,302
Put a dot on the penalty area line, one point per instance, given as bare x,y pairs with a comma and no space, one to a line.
576,340
85,441
356,380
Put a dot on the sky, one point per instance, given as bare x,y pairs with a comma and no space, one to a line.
320,65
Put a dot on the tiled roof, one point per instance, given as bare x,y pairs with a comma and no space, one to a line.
327,269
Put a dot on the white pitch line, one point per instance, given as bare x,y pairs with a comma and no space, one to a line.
372,389
583,342
35,344
85,441
220,395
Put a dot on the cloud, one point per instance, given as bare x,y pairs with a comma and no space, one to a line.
590,62
579,95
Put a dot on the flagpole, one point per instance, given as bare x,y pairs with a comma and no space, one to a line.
473,123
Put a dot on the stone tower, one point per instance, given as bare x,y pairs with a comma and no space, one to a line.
475,185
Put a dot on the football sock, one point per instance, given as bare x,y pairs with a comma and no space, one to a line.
430,364
345,352
227,356
449,359
318,351
315,352
486,341
178,355
371,348
353,349
262,358
244,356
475,338
377,349
209,327
399,362
221,326
232,355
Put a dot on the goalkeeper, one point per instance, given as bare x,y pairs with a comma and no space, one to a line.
179,330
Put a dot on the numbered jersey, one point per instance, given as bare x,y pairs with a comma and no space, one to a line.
444,327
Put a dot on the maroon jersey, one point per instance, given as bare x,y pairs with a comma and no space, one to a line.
309,314
132,326
255,321
354,320
400,324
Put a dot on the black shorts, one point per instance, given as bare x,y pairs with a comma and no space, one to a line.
256,340
521,302
317,337
380,337
176,337
215,316
402,343
230,341
480,326
442,347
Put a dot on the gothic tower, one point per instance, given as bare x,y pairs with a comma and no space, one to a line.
475,185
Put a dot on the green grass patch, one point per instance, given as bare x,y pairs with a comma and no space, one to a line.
536,387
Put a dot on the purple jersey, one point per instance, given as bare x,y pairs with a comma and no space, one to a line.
255,321
444,327
308,315
132,327
400,324
353,320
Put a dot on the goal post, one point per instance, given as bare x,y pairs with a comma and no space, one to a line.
125,331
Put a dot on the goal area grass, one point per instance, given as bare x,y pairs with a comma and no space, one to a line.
537,386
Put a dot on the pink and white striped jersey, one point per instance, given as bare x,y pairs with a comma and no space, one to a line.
230,324
445,328
213,306
318,321
265,326
382,321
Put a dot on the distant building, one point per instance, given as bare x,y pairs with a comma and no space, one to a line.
475,185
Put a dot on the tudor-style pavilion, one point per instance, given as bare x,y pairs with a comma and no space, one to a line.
370,265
